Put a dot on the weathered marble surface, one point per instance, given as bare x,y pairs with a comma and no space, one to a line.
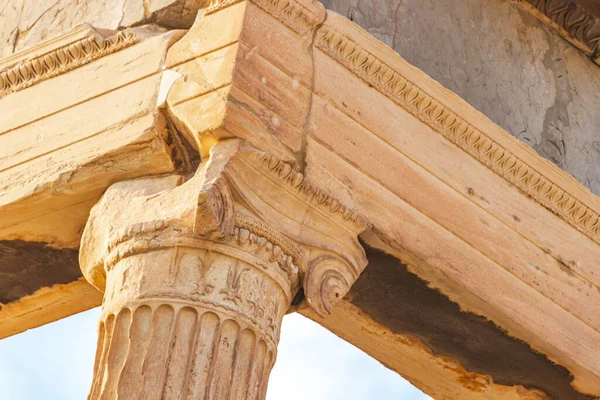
505,63
500,59
27,22
497,230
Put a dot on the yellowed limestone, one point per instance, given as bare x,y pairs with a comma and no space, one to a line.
199,274
294,111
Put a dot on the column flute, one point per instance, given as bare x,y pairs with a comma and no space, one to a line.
198,273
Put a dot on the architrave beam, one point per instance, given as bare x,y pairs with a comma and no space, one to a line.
495,229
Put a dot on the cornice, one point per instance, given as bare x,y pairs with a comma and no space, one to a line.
60,60
572,19
301,18
453,127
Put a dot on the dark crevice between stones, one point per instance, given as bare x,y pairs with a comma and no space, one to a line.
26,267
181,14
185,157
398,299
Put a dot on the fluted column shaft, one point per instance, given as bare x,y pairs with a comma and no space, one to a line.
199,320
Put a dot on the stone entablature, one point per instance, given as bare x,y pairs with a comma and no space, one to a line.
304,124
474,141
23,70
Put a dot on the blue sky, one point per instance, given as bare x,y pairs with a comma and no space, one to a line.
55,362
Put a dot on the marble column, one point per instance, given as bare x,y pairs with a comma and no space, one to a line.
197,275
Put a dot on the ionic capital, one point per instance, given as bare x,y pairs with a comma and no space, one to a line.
218,257
240,197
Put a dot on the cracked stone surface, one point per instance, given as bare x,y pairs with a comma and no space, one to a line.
500,59
27,22
506,64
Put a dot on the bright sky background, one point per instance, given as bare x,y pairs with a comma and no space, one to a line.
55,362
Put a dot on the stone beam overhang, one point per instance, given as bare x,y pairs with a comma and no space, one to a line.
507,240
78,113
459,199
578,21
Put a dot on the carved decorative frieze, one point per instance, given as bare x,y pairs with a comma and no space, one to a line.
475,142
198,274
294,14
577,23
302,18
58,61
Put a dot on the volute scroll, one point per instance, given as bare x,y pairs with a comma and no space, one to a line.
219,257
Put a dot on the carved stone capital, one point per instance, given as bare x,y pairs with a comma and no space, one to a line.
202,271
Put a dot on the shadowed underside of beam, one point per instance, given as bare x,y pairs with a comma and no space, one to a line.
500,294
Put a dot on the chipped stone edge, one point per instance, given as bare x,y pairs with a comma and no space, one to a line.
27,73
291,13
